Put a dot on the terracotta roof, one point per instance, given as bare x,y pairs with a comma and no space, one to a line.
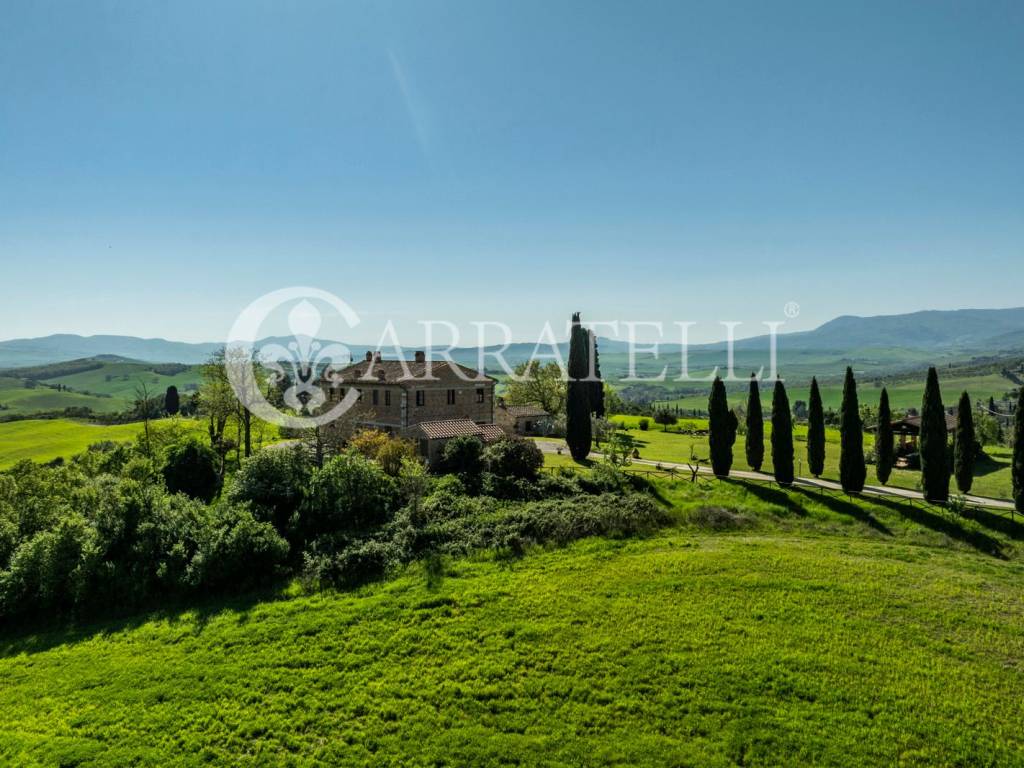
408,373
518,411
912,424
448,428
492,432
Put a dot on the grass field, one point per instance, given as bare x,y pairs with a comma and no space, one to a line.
42,440
812,632
992,475
902,394
105,389
17,399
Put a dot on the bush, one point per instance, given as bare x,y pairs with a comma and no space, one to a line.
349,493
190,467
644,424
239,553
512,459
392,455
463,456
274,481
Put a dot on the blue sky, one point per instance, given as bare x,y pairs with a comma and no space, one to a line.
163,164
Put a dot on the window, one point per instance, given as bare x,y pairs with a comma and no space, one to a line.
480,395
359,395
451,397
376,397
421,397
387,397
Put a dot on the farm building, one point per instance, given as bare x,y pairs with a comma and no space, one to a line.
521,419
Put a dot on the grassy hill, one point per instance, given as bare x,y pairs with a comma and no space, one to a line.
104,385
763,628
42,440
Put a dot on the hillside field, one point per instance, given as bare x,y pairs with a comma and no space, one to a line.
762,628
108,387
902,394
42,440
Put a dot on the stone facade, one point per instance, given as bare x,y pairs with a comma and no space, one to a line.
396,396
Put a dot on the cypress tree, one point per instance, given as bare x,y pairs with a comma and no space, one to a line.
577,401
782,436
721,429
596,387
934,442
815,432
852,469
755,427
963,445
885,449
1018,452
172,402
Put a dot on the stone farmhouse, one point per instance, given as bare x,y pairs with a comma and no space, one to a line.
428,402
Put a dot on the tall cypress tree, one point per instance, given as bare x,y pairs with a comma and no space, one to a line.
852,469
1018,452
597,386
782,436
885,449
755,427
934,442
577,402
721,429
172,402
963,445
815,431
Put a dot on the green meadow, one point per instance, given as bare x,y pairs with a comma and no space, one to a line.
992,473
761,628
42,440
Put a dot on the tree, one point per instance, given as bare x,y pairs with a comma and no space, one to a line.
191,468
722,425
964,445
463,456
666,418
172,403
755,426
815,432
577,403
852,469
514,459
274,482
536,384
597,386
145,407
782,436
934,442
885,449
349,493
1018,452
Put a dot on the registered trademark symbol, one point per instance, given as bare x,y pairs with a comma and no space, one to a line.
791,310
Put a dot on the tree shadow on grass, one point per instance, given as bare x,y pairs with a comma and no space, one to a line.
37,636
846,507
1005,525
986,465
952,528
776,496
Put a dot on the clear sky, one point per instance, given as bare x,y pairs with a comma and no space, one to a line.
163,164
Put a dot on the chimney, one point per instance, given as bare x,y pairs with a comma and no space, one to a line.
376,356
369,355
421,356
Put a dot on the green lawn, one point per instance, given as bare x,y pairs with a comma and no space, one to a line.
45,439
691,648
902,395
992,475
120,380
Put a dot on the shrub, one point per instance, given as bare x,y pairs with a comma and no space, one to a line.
644,424
463,456
349,493
514,459
394,453
240,552
274,481
190,467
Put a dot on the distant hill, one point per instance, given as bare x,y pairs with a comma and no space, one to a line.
963,333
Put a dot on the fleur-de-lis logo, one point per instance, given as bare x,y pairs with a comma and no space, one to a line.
302,362
308,359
